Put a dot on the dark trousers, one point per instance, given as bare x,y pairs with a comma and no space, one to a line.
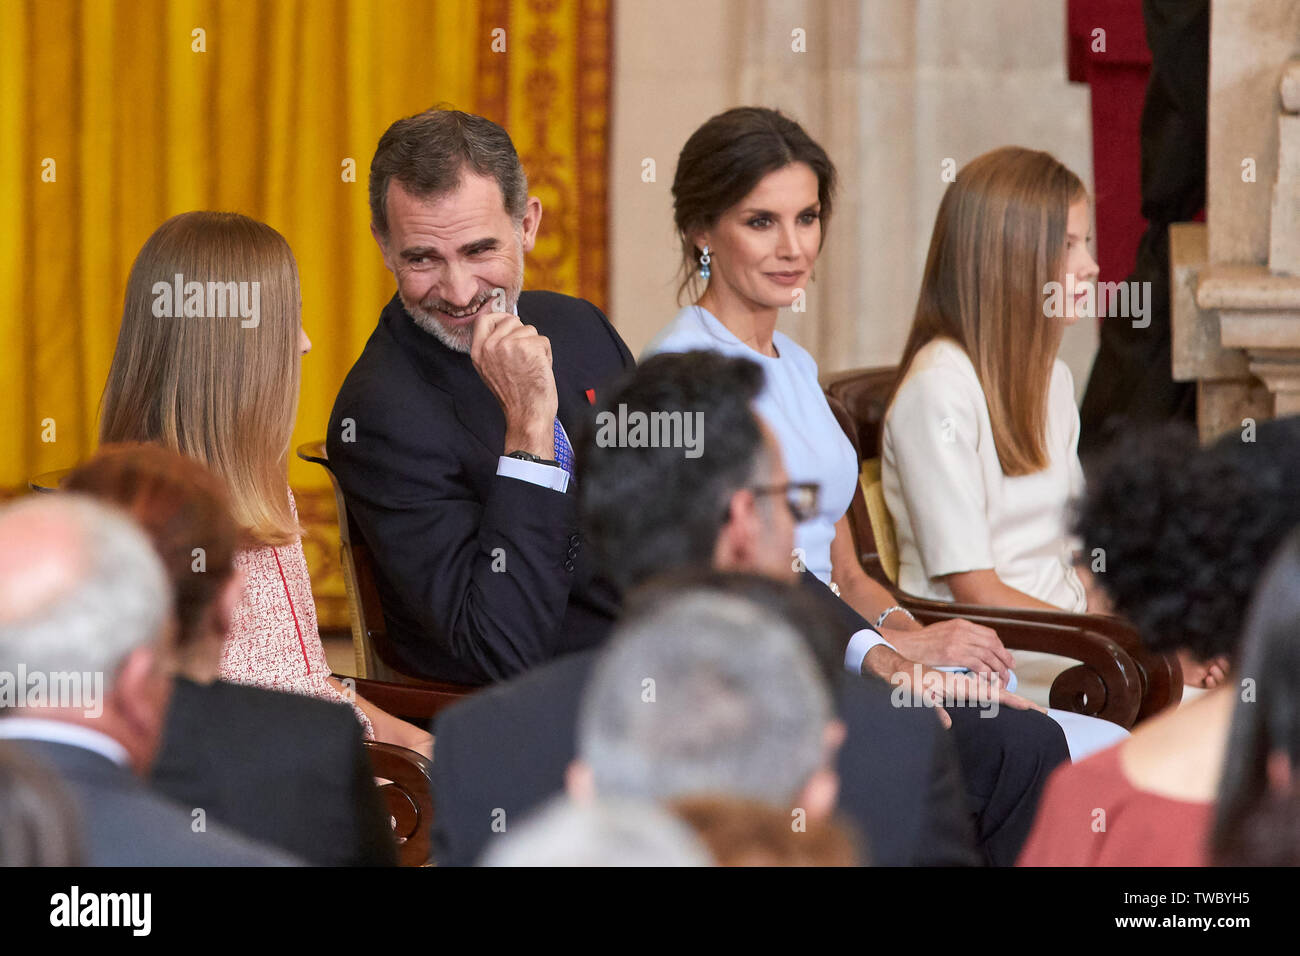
1005,761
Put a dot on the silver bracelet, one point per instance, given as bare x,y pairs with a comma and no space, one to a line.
880,621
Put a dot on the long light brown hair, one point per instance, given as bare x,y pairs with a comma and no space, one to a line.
999,238
209,387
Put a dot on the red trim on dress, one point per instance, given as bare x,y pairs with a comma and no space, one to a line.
285,581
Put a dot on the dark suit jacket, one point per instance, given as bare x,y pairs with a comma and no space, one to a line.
506,748
123,823
286,770
481,576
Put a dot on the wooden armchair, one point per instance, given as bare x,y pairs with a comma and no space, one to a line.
408,798
380,678
1117,678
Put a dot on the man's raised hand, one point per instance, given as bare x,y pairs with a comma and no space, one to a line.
514,361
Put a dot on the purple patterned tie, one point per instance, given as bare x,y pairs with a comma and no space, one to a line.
563,451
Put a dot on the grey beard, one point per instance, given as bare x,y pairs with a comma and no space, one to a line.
458,340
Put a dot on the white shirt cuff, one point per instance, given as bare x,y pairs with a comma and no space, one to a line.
548,476
859,644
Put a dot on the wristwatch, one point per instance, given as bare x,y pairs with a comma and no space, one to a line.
536,459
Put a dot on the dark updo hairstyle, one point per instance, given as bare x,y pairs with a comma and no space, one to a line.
725,159
1186,532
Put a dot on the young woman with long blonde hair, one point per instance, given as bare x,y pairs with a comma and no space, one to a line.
208,364
980,443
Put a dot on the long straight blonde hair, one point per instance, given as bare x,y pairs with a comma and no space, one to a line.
999,238
221,390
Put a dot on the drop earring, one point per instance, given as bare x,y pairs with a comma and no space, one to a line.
704,264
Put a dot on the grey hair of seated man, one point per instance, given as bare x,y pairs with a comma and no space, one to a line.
81,587
598,833
707,694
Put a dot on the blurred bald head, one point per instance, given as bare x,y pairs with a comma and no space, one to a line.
80,587
41,553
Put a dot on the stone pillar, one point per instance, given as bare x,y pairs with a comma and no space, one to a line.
1236,279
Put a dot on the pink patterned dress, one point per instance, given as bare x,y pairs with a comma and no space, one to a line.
274,641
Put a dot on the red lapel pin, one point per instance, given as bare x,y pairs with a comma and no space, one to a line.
591,396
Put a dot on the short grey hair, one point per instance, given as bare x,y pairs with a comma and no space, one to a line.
603,833
119,599
706,695
428,153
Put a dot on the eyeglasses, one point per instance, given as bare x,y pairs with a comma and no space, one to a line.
801,497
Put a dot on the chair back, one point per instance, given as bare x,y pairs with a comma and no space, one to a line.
882,523
864,393
859,524
869,521
378,666
365,612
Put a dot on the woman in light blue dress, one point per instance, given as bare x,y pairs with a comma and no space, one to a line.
752,194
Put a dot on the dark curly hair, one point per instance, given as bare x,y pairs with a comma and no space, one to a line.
1185,532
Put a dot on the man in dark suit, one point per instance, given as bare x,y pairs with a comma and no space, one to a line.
225,749
655,510
503,752
452,435
85,615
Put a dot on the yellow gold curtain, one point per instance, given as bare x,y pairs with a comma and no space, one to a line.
115,114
